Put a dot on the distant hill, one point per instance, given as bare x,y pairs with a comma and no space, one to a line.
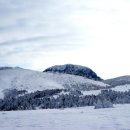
23,79
122,80
74,70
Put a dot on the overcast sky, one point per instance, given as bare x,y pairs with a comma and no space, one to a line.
37,34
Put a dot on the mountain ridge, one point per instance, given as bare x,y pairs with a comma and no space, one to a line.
23,89
18,78
74,70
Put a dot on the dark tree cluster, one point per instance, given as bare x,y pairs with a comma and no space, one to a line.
21,100
59,98
115,97
74,70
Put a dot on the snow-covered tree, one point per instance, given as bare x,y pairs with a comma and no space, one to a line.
103,104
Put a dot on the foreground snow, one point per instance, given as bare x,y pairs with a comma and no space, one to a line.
84,118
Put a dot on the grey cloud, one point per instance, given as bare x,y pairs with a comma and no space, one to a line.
35,39
36,45
30,39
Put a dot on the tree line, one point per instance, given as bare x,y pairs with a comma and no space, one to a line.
60,98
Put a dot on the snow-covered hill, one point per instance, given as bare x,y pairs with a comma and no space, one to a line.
118,81
74,70
22,79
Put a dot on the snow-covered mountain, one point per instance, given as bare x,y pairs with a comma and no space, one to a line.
24,89
74,70
23,79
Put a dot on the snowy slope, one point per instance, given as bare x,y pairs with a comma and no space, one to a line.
29,80
92,92
120,88
83,118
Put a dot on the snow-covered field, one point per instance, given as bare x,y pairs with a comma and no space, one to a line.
92,92
84,118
